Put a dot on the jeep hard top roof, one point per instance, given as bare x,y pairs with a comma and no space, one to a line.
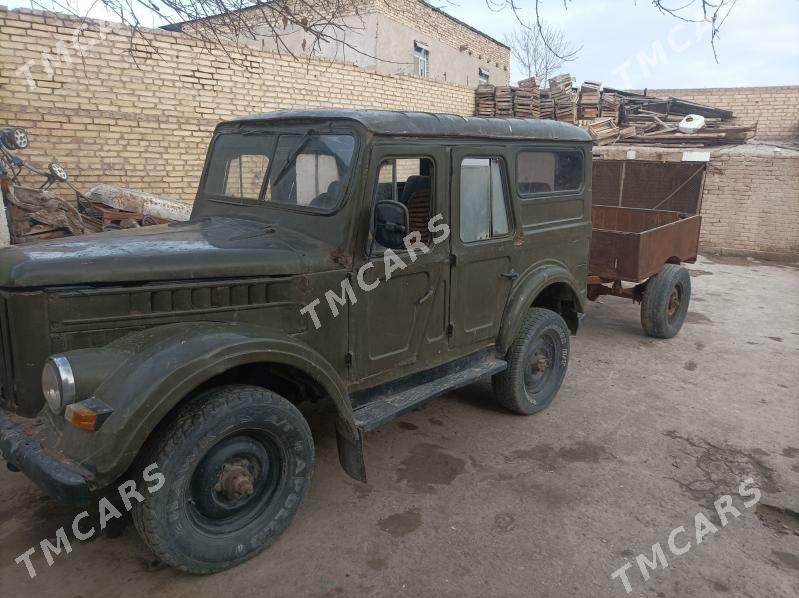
428,124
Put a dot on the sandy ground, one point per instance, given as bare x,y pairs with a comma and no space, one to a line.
467,500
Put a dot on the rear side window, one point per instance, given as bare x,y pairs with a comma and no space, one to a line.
484,199
542,172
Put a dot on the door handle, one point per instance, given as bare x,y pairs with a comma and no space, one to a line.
426,296
512,275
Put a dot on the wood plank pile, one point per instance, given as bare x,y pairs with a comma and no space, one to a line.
484,99
657,122
530,86
523,104
564,98
610,104
613,115
603,131
590,97
503,97
547,105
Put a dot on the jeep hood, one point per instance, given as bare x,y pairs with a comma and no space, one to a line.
205,249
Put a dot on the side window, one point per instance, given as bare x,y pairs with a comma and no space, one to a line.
484,199
410,182
549,172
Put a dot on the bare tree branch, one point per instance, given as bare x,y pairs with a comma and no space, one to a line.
714,12
221,24
540,49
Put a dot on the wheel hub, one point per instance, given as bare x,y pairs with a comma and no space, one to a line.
540,362
674,302
235,480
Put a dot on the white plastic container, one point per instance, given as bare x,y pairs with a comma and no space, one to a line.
691,124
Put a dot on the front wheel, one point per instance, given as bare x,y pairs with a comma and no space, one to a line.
537,364
665,303
237,462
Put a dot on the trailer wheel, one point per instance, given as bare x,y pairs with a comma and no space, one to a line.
537,364
236,464
666,299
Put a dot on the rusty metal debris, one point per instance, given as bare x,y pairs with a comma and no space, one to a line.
41,214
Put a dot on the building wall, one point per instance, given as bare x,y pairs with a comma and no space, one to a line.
432,24
141,116
395,50
775,109
751,201
381,36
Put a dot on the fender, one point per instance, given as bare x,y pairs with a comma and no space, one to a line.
166,363
527,288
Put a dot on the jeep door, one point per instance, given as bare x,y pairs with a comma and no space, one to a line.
482,243
400,326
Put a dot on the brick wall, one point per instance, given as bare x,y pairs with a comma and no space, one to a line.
141,115
430,21
751,201
776,109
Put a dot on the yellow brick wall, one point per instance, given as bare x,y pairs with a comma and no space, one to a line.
751,201
775,109
141,115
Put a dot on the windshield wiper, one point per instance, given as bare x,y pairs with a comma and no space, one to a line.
293,157
246,132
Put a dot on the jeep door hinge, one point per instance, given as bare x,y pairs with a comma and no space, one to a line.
348,359
453,259
450,329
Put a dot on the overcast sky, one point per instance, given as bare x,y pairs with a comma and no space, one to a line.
630,44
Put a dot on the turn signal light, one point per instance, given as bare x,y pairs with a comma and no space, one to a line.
88,415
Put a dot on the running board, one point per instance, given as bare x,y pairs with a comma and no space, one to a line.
384,407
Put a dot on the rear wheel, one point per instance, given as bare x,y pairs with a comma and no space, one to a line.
237,462
537,364
665,303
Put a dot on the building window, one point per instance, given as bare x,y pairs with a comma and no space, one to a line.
484,76
421,55
549,172
484,210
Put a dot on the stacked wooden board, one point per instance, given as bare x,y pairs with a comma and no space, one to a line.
612,115
503,97
547,105
590,97
565,100
484,100
530,87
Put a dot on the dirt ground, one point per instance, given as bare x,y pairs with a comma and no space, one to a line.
465,499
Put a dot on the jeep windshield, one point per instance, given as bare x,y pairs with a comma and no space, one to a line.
309,170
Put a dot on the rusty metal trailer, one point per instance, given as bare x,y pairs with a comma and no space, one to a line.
645,247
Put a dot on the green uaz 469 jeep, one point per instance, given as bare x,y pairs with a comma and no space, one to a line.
372,259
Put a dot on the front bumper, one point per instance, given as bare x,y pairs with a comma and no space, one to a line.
64,480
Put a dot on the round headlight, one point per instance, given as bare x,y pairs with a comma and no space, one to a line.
58,383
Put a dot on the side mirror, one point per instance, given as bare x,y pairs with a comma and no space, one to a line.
390,224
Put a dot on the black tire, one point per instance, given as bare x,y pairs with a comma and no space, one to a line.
666,299
237,463
537,364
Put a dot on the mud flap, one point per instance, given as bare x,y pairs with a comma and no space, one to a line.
350,453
